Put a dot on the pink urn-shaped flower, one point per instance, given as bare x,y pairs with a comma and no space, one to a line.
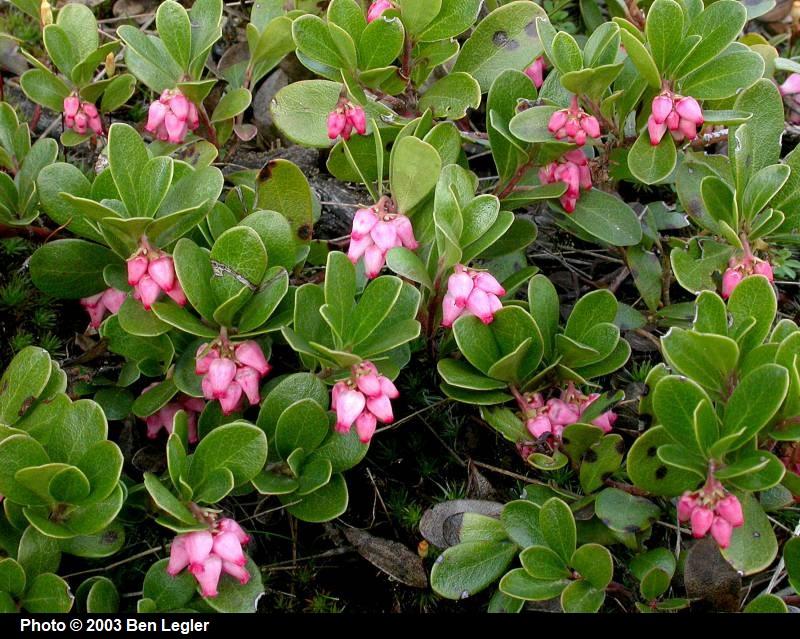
363,399
711,509
680,115
573,170
82,116
376,230
471,292
172,116
231,372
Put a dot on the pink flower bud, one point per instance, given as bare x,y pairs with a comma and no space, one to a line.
349,405
568,202
358,119
388,388
221,373
162,270
730,509
721,531
486,282
248,379
336,124
96,314
137,267
580,137
730,280
591,126
535,72
178,557
459,286
539,425
228,548
89,109
365,426
149,291
198,546
479,305
572,127
764,268
655,130
81,123
179,105
176,128
451,311
673,121
384,235
194,119
71,106
662,107
557,120
155,116
358,247
686,505
369,384
561,413
336,391
96,125
231,400
377,8
688,108
363,222
381,407
113,299
203,359
791,85
207,575
232,526
250,354
701,519
237,572
688,128
177,294
405,232
374,259
193,404
605,421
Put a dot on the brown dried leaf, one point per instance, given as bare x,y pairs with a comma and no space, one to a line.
441,524
708,577
390,557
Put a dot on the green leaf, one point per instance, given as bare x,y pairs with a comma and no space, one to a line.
602,459
282,187
166,501
194,271
127,157
453,19
530,125
753,299
166,591
641,56
664,29
234,597
558,527
708,359
724,76
581,596
22,382
766,604
45,88
239,447
675,402
406,264
451,96
12,577
652,164
508,88
47,593
754,402
607,218
623,512
175,30
304,425
324,504
565,53
519,584
468,568
37,553
413,172
718,25
648,472
232,104
521,521
753,545
489,50
380,43
594,563
542,563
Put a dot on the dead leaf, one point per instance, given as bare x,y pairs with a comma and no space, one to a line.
441,524
708,577
390,557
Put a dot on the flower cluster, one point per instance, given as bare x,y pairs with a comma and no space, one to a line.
377,8
739,268
209,553
791,89
152,272
471,292
713,509
535,71
109,300
682,116
363,398
574,124
573,170
81,116
231,373
346,117
172,116
555,414
165,416
376,230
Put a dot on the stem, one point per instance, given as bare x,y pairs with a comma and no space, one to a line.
512,183
627,488
212,132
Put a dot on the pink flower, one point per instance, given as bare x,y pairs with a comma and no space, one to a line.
230,402
655,130
220,375
701,520
680,115
730,509
162,271
661,107
686,506
376,230
741,267
231,525
151,273
71,105
721,531
178,557
249,378
236,571
165,416
336,124
535,72
471,292
228,547
791,85
459,286
377,8
249,353
363,399
363,222
109,301
730,280
137,267
349,405
207,575
539,425
345,117
451,311
689,109
574,124
358,118
573,170
172,116
81,116
366,424
198,546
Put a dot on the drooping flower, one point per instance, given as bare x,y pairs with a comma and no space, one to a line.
711,509
81,116
363,399
680,115
172,116
345,117
555,414
573,170
165,416
210,553
471,292
741,267
107,302
152,272
231,372
574,124
535,71
377,230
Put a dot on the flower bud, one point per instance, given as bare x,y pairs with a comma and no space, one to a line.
363,222
248,378
689,109
162,270
662,106
381,407
557,120
377,8
730,509
45,13
365,426
374,259
384,235
336,124
149,291
459,287
250,354
721,531
178,557
221,373
198,546
349,405
730,280
701,519
228,548
655,130
791,85
451,311
110,65
479,305
231,400
539,425
486,282
207,575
